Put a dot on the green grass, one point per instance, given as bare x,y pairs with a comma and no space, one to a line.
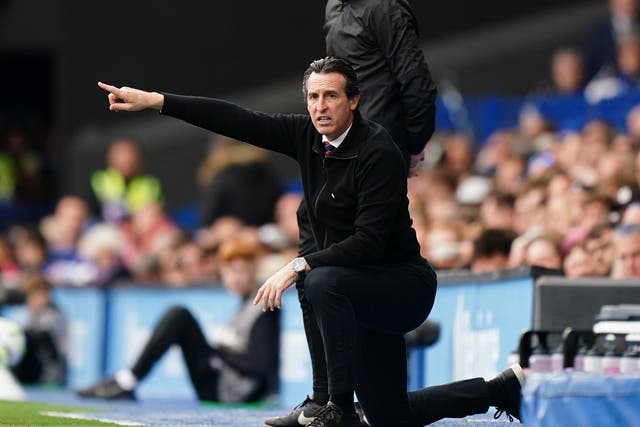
30,414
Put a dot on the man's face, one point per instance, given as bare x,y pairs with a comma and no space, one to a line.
330,110
628,251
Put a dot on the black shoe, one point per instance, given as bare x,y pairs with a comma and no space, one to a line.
107,389
507,400
302,415
330,415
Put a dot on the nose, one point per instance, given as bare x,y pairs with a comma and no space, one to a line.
321,104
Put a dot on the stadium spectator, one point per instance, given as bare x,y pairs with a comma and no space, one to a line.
30,249
21,170
237,181
567,71
497,210
577,262
595,210
147,234
45,328
101,245
626,243
62,231
444,245
9,271
633,125
530,208
491,250
599,247
240,366
600,44
121,189
631,213
544,252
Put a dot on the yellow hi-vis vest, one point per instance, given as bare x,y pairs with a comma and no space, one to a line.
7,178
109,187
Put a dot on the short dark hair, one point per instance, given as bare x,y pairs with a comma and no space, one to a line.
331,64
493,241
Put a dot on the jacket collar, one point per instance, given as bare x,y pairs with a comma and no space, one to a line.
349,147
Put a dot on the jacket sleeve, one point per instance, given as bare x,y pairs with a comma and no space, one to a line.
381,188
396,34
276,132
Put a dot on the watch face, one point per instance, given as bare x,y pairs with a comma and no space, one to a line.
298,265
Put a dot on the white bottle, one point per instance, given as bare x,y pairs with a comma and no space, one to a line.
593,361
630,361
611,358
557,359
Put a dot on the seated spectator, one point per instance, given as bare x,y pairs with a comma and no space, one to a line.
101,245
611,82
626,244
491,250
9,271
599,247
444,245
567,71
241,366
30,250
595,210
577,262
185,265
631,213
530,208
122,189
496,210
633,125
544,252
45,329
148,233
600,44
21,170
62,232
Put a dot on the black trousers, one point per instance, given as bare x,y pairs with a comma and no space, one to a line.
355,321
178,326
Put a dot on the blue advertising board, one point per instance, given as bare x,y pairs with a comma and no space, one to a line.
481,323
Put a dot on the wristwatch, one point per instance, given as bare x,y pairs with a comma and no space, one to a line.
299,265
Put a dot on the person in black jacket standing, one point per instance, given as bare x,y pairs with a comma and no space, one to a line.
380,40
366,283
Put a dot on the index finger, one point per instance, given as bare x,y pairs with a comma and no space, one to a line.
109,88
258,297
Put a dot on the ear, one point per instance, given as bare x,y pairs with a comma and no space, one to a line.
353,102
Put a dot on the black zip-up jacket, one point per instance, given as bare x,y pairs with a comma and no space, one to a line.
357,196
380,40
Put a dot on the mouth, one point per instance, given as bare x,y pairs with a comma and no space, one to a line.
323,120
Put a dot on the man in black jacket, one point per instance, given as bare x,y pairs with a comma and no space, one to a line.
366,283
380,40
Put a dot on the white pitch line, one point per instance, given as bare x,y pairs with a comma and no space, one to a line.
75,416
